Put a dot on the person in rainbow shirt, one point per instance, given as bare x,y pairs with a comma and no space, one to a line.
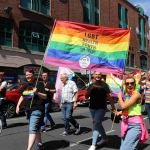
33,95
133,129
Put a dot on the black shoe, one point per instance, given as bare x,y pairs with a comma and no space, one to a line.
52,126
102,142
4,126
77,130
39,146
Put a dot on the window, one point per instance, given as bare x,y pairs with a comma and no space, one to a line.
91,11
42,6
132,60
33,36
123,16
5,32
127,61
143,61
142,35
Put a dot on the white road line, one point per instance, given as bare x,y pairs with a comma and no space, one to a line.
77,143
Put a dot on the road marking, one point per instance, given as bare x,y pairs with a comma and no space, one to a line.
77,143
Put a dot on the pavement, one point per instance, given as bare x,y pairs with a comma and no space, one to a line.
16,135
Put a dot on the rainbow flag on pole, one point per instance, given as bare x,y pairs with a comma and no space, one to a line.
81,46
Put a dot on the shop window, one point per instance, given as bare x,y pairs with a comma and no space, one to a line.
143,61
142,36
42,6
132,60
123,16
5,32
91,11
33,36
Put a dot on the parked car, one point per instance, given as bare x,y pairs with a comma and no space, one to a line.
12,97
81,100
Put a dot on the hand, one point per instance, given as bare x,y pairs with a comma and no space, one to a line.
35,90
118,113
46,89
75,105
60,105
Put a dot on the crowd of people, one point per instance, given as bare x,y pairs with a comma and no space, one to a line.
37,97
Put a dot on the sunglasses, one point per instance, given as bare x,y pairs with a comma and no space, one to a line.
130,83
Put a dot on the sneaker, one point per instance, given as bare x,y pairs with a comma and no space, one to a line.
92,147
39,146
102,142
52,126
43,130
77,130
65,133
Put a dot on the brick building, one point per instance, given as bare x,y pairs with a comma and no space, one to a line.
25,26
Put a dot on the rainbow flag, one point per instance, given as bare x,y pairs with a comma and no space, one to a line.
115,84
81,46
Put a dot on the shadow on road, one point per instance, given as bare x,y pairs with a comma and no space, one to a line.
85,130
80,117
54,145
113,142
16,124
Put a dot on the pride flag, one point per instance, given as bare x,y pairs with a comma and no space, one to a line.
81,46
115,83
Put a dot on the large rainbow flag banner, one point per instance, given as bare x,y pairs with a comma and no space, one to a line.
81,46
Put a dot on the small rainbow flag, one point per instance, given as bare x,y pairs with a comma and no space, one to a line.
82,46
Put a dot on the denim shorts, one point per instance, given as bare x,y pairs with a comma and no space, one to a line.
36,118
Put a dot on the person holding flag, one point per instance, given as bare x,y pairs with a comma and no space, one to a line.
133,129
33,95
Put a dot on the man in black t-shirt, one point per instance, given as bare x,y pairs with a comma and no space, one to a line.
33,96
48,102
98,93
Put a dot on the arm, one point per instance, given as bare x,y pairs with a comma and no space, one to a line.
110,99
125,104
75,99
18,104
40,94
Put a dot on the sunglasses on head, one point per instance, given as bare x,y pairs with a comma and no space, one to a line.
130,83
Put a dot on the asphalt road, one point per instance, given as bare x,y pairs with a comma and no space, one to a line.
16,135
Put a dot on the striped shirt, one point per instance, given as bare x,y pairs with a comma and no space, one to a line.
147,92
68,91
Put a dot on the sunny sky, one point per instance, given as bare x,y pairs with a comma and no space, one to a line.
145,4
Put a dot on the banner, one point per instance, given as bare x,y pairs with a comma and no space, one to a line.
82,46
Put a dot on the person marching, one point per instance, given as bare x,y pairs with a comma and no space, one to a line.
133,129
33,98
3,85
48,102
98,92
69,103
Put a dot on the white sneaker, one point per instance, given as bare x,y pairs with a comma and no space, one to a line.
92,147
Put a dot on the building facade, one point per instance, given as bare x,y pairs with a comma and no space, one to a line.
25,27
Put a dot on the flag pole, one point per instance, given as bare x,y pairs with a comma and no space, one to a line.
120,87
39,72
